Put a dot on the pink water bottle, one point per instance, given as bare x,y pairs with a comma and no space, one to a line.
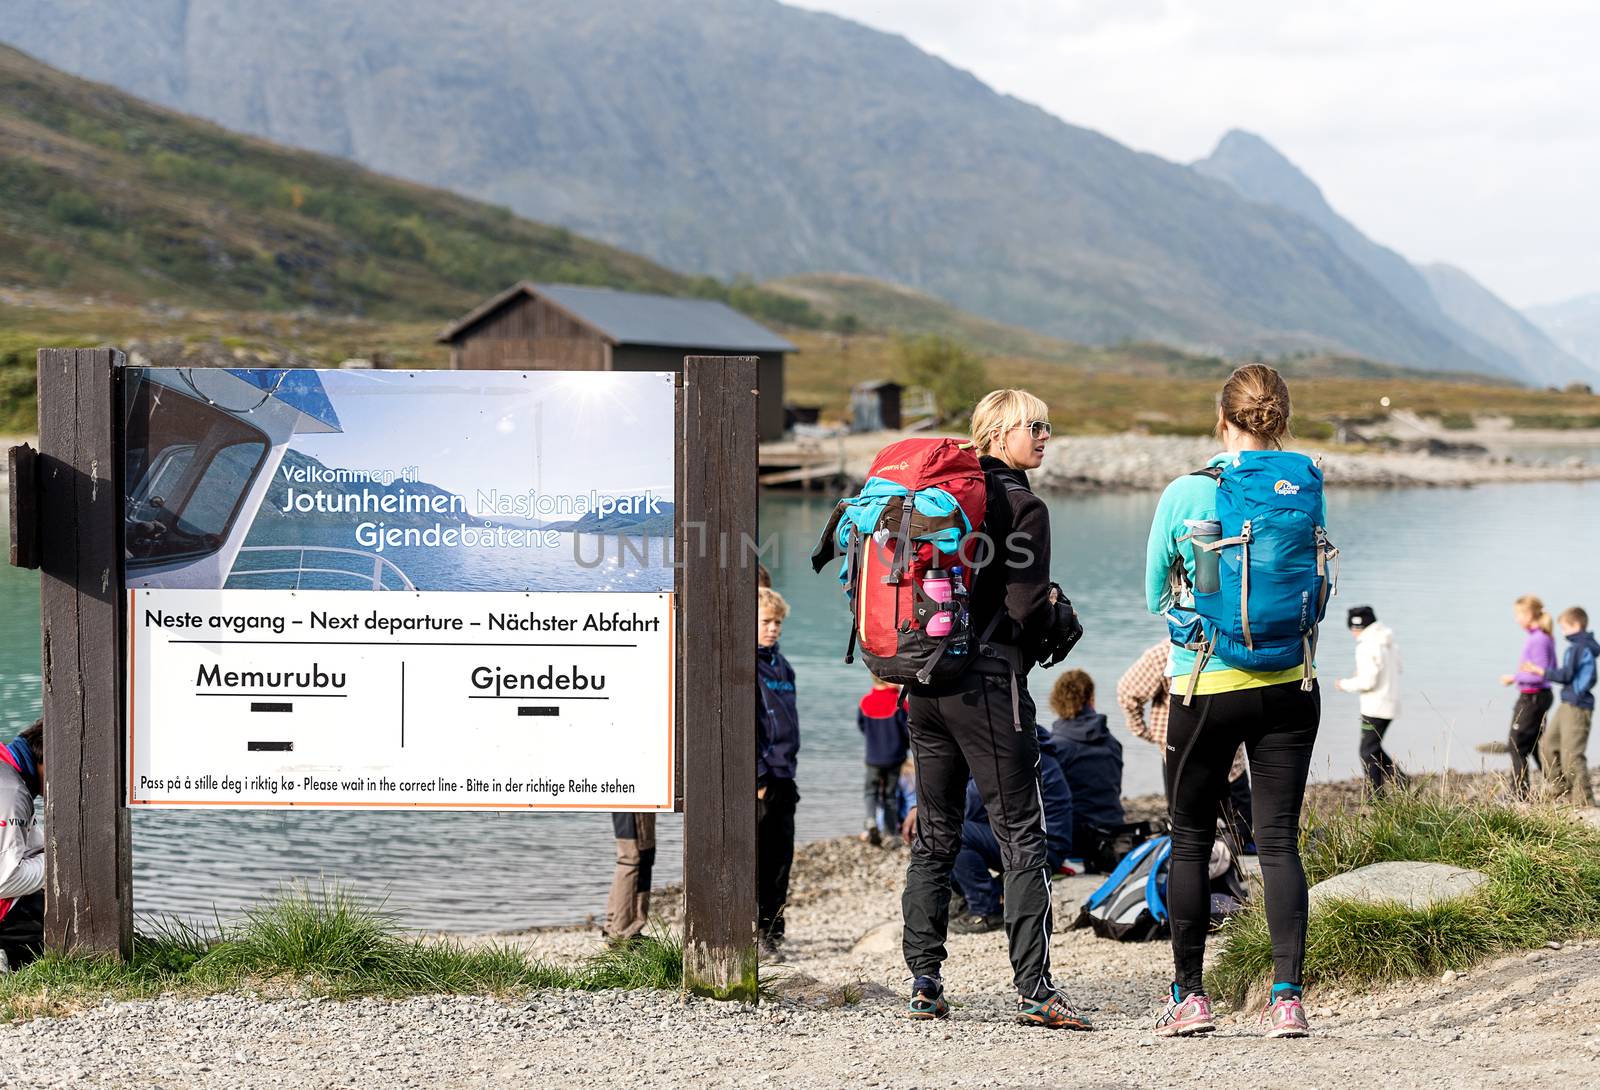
936,585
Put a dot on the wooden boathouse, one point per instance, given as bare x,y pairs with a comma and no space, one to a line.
564,327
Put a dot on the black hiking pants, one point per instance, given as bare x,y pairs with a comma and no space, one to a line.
22,930
1527,723
774,854
1379,766
964,732
1278,725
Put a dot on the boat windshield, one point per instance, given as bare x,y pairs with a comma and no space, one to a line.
189,467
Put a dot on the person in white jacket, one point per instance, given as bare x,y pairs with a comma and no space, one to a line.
21,848
1377,680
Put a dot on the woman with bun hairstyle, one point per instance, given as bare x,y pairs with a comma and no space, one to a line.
982,725
1533,691
1212,709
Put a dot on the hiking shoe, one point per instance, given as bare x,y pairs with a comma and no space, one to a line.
974,924
927,999
1286,1018
1186,1019
1051,1012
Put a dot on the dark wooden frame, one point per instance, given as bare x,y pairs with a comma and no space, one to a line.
77,499
66,519
716,501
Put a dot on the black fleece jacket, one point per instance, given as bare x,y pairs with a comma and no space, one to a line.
1016,580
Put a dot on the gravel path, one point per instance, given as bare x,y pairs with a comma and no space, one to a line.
1529,1020
1533,1024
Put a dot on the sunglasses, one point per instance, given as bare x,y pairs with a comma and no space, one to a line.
1038,429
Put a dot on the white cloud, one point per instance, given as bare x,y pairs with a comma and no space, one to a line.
1466,131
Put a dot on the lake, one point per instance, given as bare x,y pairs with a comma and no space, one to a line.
1442,567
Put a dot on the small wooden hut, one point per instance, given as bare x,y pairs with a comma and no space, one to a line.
563,327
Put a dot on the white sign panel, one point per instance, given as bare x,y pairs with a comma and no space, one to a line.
491,700
446,589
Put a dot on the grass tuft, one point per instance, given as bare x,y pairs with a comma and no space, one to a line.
1544,884
322,942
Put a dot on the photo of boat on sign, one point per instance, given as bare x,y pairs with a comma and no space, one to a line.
286,479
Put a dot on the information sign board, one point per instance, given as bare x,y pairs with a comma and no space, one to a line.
400,589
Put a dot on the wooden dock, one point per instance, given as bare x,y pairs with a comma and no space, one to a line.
808,464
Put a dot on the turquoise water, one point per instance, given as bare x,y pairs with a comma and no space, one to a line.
1441,566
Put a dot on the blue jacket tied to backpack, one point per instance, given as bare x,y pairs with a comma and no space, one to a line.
777,717
1260,577
1576,674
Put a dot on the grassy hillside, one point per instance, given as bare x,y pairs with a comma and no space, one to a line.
103,194
1165,391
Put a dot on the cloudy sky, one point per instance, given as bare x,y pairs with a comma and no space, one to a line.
1464,131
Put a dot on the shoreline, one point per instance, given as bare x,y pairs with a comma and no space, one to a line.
1136,462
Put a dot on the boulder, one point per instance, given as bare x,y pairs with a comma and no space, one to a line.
1415,885
882,939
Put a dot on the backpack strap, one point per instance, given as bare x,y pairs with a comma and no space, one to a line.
1214,472
902,544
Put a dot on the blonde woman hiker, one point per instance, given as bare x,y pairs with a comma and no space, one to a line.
1237,553
982,724
1533,691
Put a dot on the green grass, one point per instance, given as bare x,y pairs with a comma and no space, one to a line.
320,943
1544,884
102,194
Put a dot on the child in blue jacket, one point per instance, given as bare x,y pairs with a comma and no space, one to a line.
1562,752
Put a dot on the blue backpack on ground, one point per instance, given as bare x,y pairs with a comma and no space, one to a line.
1131,905
1262,570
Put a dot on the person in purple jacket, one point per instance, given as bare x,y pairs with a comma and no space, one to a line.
1533,691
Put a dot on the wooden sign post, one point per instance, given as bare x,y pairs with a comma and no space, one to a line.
78,503
716,495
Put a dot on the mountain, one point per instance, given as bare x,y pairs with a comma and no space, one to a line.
1574,324
745,137
846,301
1445,298
102,194
1474,305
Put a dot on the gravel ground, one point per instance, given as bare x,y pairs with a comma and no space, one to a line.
1528,1020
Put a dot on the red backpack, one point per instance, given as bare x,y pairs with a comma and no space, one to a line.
904,578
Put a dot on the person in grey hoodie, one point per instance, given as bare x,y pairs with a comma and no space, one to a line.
21,848
1377,680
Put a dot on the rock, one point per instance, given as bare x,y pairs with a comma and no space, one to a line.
882,939
1415,885
1448,976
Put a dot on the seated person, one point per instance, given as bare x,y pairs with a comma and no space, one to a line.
979,862
21,848
1090,757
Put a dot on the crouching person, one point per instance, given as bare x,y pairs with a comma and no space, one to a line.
979,860
21,848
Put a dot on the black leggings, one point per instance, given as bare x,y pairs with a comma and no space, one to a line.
1278,725
1527,723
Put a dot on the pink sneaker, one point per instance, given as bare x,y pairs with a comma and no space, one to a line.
1286,1018
1185,1019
